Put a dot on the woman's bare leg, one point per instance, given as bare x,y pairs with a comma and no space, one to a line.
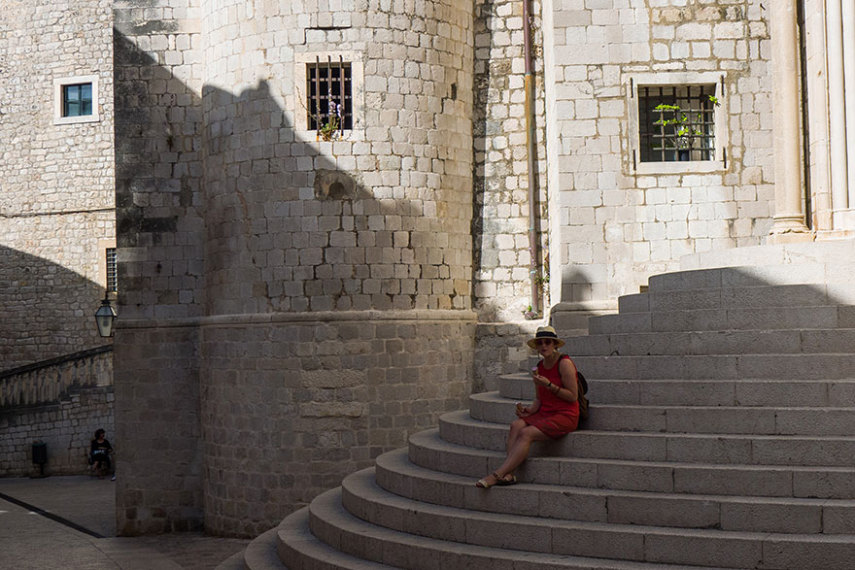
518,449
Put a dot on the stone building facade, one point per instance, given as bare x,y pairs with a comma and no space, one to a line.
297,298
57,215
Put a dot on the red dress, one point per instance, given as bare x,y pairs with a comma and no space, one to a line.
556,417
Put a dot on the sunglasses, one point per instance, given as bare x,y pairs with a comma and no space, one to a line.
542,341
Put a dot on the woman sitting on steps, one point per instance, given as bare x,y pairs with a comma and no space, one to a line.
553,414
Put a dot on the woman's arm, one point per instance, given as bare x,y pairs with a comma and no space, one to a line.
523,411
569,393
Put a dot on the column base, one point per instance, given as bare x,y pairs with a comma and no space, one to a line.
789,229
843,220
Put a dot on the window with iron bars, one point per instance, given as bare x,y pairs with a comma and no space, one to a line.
676,123
112,275
329,90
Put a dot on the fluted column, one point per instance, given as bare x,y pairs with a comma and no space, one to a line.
837,106
847,14
789,216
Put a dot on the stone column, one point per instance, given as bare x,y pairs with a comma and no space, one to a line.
837,106
847,14
789,215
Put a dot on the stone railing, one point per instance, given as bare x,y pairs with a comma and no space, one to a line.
45,382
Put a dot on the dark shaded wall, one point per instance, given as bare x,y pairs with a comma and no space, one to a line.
161,237
295,307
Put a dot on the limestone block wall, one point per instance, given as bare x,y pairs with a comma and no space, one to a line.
500,348
502,256
399,235
270,273
338,272
158,424
293,403
56,179
66,427
160,205
615,220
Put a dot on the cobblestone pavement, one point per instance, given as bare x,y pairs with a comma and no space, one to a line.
70,522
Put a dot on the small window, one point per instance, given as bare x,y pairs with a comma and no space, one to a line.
77,100
676,122
112,276
329,97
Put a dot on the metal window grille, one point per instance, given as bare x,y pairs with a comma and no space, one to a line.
330,95
676,123
112,276
77,100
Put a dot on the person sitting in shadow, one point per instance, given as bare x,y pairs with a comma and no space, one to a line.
99,453
553,414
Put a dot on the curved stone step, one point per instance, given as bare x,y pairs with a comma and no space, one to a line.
778,393
747,276
428,450
490,407
736,297
784,341
404,480
303,551
261,553
491,540
234,562
331,522
826,260
460,428
747,318
745,367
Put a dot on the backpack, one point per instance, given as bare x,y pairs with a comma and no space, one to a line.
582,389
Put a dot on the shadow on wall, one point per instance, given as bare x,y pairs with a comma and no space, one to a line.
224,210
575,285
281,219
48,310
501,221
266,221
285,223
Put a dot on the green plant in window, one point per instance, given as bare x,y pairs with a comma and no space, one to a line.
679,126
331,129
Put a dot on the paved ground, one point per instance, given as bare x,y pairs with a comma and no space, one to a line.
49,523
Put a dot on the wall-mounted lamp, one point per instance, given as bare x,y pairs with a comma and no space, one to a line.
104,318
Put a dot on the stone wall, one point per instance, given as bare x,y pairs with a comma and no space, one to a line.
296,402
66,427
616,220
56,179
267,272
500,349
161,237
158,423
501,236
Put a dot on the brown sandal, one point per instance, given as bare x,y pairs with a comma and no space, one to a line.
483,484
508,479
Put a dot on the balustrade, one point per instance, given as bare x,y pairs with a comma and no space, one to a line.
46,382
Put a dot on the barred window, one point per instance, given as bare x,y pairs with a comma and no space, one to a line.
329,94
112,276
676,122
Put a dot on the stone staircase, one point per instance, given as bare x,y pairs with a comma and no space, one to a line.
722,434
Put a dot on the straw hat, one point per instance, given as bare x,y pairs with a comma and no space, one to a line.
545,332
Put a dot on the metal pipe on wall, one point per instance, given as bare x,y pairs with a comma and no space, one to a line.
530,155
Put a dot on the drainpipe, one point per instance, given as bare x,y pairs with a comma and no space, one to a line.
530,153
